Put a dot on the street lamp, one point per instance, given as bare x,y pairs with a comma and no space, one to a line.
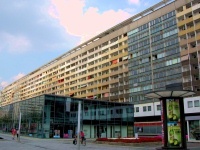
19,125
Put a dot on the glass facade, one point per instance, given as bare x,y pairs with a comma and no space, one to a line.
193,129
51,116
154,57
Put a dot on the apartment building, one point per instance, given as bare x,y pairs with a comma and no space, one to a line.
154,53
188,17
146,52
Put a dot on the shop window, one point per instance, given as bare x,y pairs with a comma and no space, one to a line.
149,108
136,109
139,129
158,107
111,111
196,103
194,129
144,108
129,110
119,111
190,104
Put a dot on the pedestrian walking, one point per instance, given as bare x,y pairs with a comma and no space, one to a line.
14,132
18,134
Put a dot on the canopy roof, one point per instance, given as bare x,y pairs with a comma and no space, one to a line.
169,93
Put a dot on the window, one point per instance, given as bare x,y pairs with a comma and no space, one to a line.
111,111
190,104
119,111
144,108
158,107
129,110
196,103
136,109
149,108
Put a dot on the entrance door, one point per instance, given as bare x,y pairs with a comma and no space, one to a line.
58,131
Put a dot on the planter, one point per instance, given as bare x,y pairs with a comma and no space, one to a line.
130,140
128,144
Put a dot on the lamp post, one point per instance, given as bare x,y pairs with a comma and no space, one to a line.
79,120
19,125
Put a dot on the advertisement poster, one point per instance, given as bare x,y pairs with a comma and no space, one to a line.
174,135
173,110
173,123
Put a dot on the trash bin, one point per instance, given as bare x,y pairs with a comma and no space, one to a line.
136,135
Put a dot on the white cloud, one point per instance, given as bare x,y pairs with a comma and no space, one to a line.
87,23
20,75
3,84
130,10
14,43
137,2
146,4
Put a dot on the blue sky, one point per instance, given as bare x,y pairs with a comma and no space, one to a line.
33,33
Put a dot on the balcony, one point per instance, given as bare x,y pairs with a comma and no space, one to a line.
126,95
187,84
121,87
126,86
184,63
194,61
115,89
197,93
193,49
183,32
186,73
114,97
185,21
114,81
126,78
105,98
183,42
196,82
105,90
190,40
185,11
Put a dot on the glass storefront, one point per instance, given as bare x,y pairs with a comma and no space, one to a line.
193,130
50,116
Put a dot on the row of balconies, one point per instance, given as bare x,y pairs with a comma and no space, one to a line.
75,60
187,8
192,40
189,30
51,90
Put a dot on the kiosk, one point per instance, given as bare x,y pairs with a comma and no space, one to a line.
173,118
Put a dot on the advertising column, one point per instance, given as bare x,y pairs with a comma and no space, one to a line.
173,123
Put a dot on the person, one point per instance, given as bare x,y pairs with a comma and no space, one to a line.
75,140
18,134
82,135
14,133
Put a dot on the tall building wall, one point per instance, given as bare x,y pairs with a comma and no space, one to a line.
154,52
93,70
188,17
102,67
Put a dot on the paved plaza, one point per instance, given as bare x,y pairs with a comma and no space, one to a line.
28,143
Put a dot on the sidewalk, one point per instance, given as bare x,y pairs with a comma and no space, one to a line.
30,143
